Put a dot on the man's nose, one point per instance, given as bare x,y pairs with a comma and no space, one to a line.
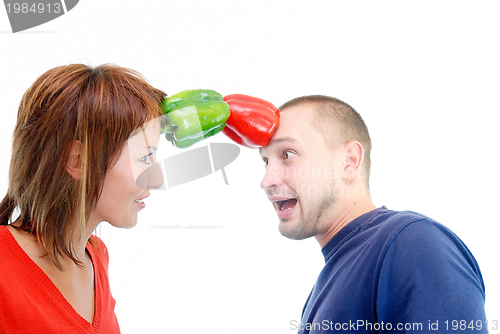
272,177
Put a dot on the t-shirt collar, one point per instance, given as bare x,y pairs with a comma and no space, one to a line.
346,231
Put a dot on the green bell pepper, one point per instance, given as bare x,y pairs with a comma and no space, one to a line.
193,115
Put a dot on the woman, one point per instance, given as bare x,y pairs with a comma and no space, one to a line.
82,138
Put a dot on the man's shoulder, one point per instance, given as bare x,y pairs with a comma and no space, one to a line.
382,229
393,217
393,222
412,232
408,228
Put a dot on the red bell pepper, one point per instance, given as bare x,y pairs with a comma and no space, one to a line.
252,120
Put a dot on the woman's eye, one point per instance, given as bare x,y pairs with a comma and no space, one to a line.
265,161
147,158
288,154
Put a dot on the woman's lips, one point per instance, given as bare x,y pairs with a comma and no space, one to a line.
140,202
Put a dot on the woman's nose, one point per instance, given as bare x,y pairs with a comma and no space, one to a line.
151,178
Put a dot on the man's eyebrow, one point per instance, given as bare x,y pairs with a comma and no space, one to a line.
280,140
277,141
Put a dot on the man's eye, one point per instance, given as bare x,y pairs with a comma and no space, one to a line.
147,158
288,154
265,161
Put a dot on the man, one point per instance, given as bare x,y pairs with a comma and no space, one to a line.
384,271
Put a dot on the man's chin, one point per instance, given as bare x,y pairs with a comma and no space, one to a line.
293,230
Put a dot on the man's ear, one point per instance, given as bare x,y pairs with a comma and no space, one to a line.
75,158
353,161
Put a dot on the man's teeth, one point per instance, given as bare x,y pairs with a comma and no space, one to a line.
287,205
140,201
282,204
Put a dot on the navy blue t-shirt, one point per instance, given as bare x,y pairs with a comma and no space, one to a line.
389,271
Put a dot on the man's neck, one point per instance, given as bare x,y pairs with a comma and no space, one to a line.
349,210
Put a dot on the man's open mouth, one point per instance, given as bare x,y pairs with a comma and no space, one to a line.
286,205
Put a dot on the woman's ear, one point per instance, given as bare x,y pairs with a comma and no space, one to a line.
74,163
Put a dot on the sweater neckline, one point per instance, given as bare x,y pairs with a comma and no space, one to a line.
45,283
348,232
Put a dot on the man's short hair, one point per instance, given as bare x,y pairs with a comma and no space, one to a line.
339,123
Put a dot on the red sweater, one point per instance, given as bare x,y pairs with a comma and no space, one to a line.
31,303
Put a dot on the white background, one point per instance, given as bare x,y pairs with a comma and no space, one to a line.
423,74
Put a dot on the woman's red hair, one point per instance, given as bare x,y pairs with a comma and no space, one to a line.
100,107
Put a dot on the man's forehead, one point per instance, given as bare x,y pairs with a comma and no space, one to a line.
281,140
296,114
292,121
276,141
301,106
298,125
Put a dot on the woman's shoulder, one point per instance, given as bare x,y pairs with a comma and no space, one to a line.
20,242
96,241
97,249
